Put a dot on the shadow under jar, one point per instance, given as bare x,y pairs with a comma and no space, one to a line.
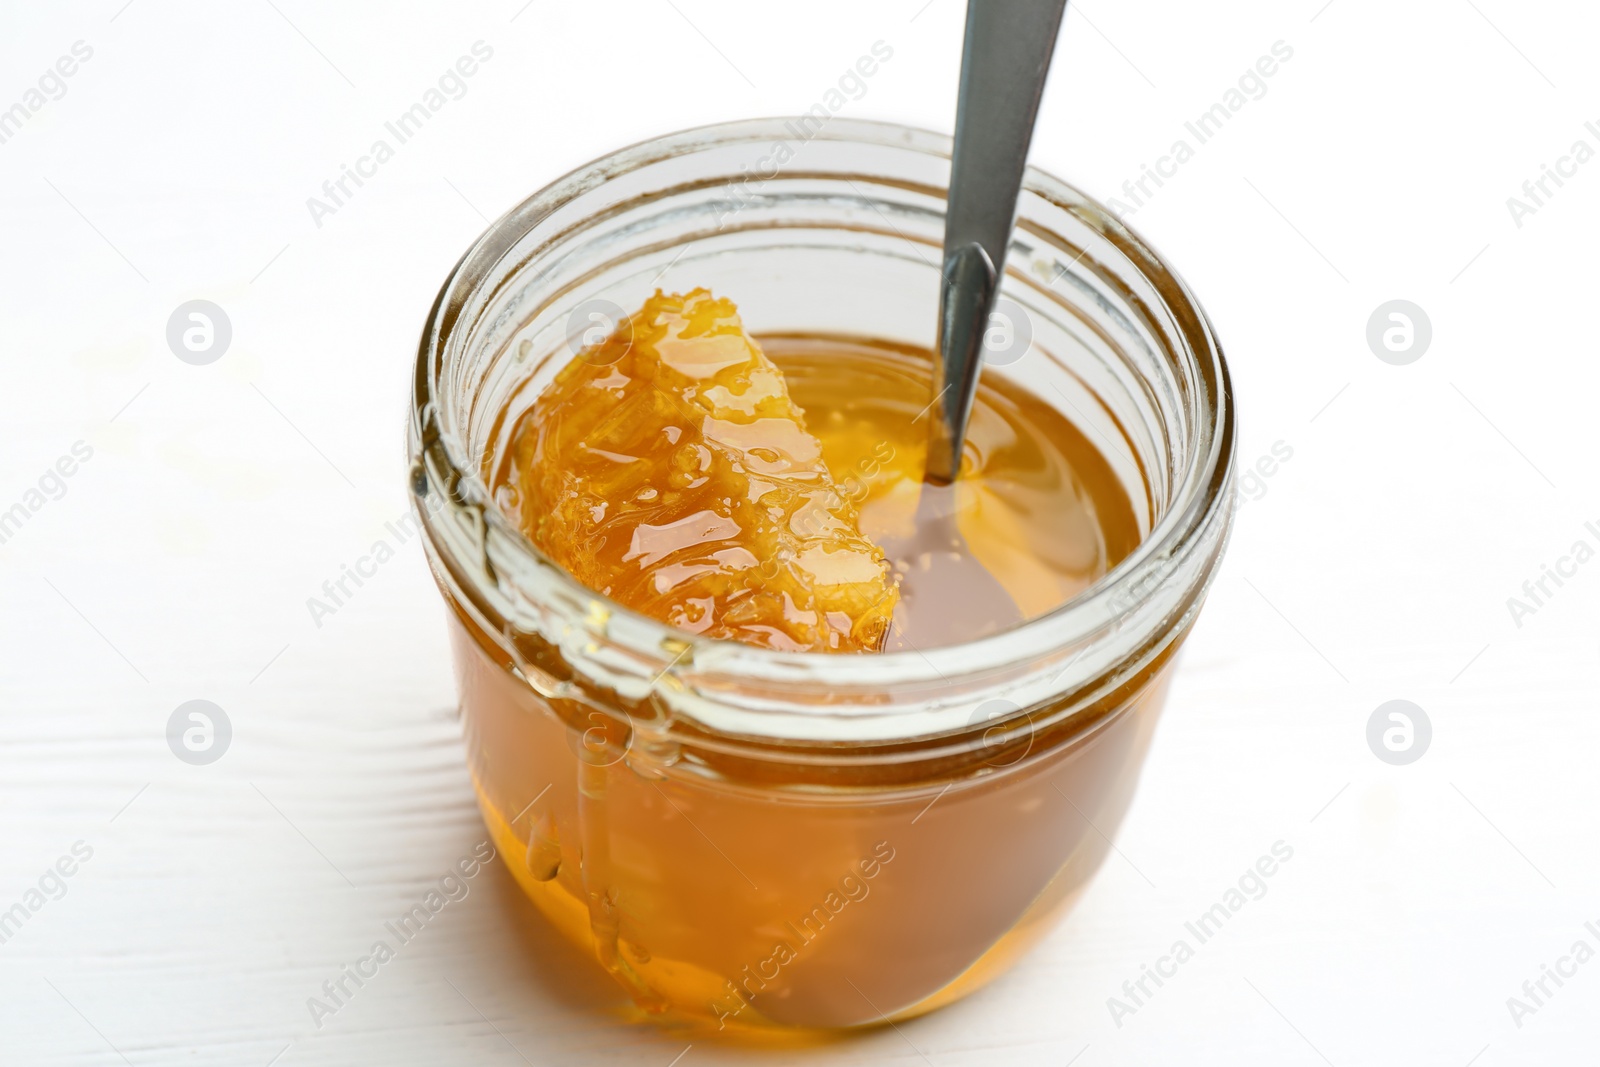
798,840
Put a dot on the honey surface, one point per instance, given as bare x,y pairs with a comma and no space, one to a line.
668,468
1037,503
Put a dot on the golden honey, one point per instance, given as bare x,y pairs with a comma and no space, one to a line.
780,885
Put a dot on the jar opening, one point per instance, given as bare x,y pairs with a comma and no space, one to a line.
1120,338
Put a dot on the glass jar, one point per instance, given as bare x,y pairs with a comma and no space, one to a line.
767,839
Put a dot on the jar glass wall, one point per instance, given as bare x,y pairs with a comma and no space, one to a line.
802,840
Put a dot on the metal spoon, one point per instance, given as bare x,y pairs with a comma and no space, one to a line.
1004,61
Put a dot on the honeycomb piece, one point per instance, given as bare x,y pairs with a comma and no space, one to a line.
667,468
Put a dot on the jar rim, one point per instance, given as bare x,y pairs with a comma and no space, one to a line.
1198,493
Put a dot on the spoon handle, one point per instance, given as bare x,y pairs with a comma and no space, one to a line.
1003,66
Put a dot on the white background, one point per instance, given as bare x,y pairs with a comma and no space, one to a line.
1376,566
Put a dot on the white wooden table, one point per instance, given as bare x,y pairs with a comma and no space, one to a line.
176,562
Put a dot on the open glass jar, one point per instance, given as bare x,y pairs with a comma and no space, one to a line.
770,839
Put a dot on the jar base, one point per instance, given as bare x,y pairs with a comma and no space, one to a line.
674,987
